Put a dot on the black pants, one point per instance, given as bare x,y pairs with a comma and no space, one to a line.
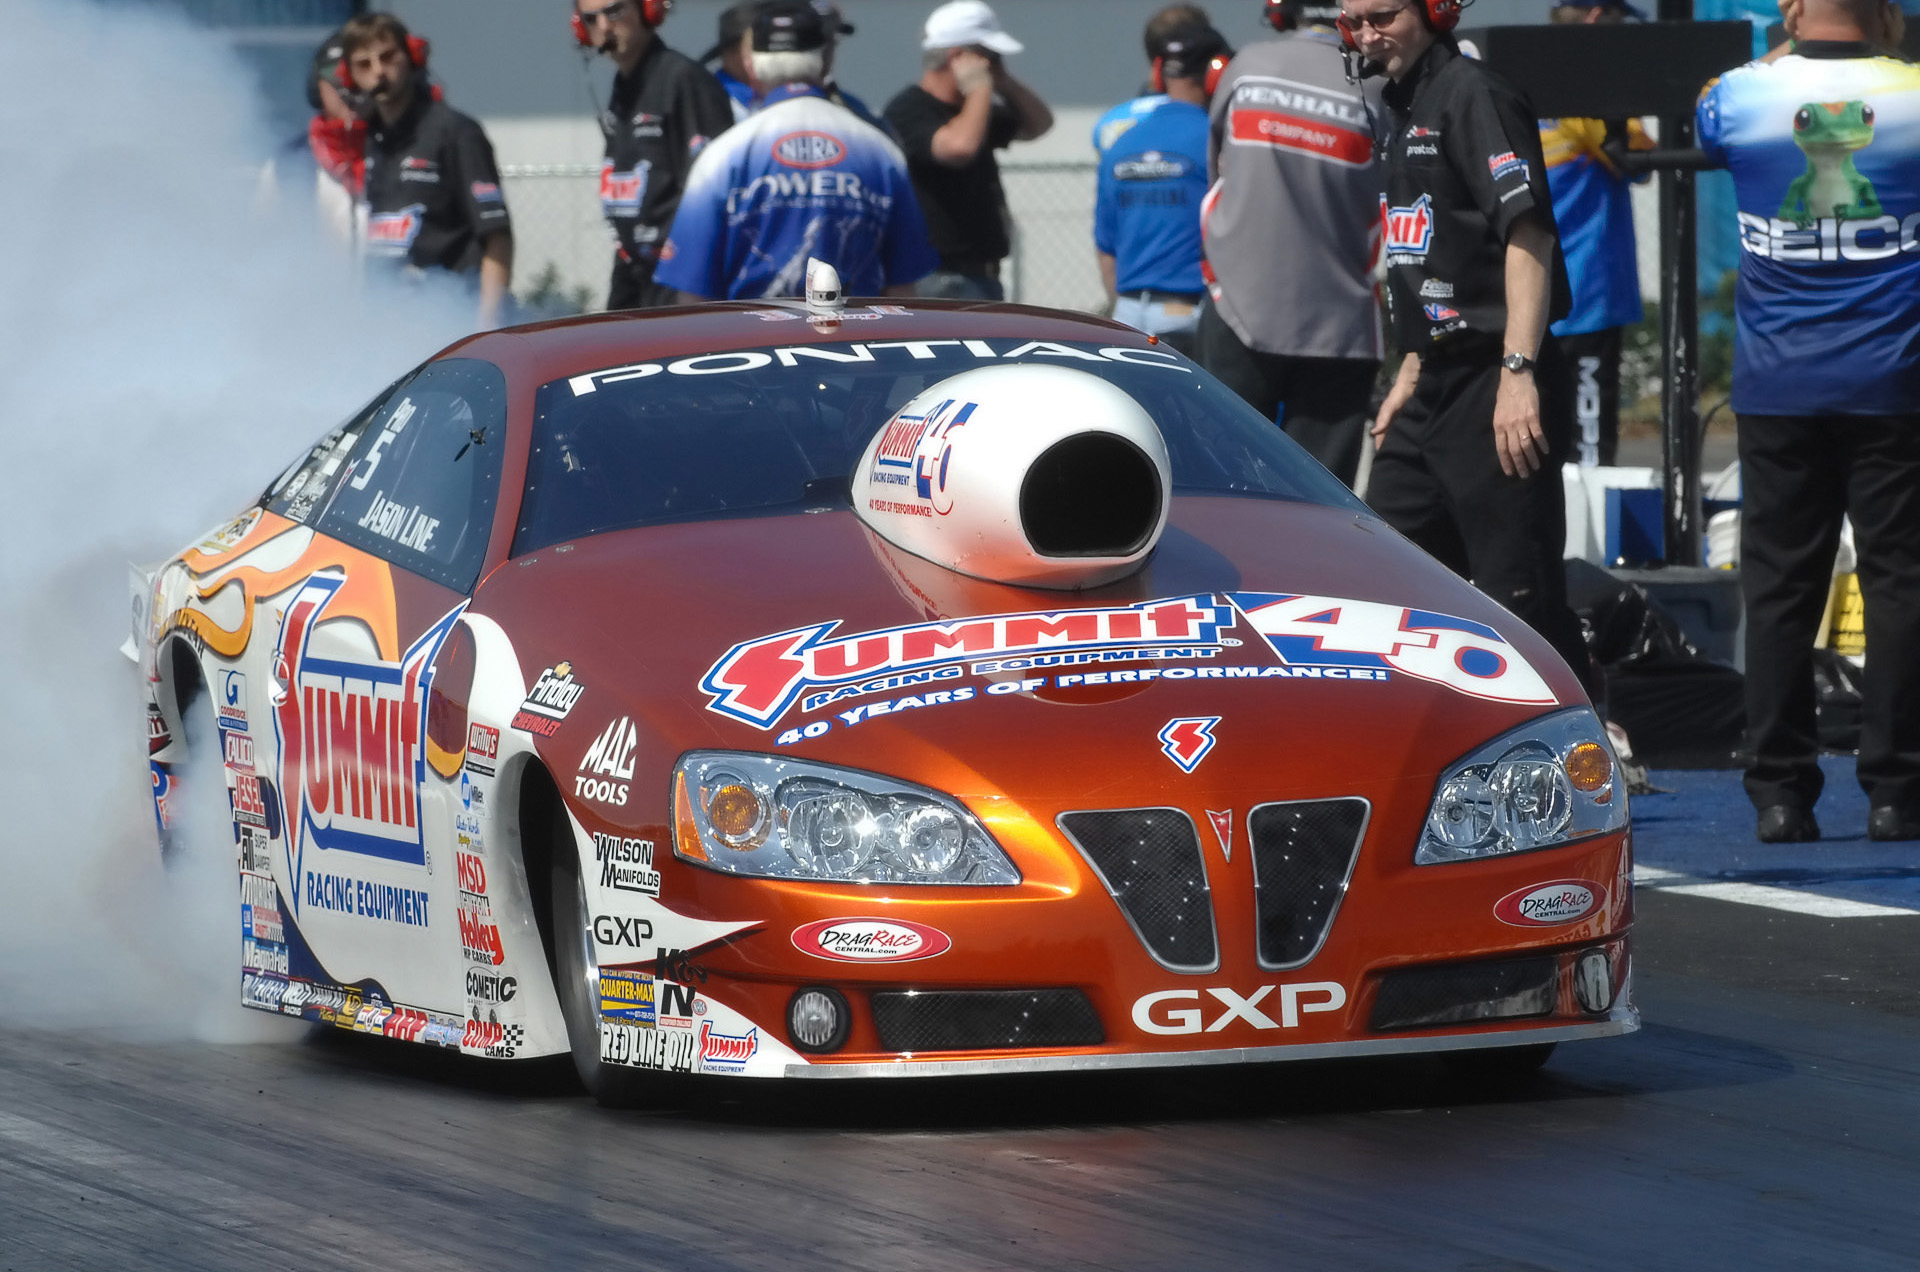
1437,480
1798,474
632,287
1325,399
1595,359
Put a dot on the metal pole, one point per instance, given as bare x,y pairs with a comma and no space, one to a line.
1679,337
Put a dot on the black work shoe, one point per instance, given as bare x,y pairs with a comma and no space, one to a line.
1786,824
1889,823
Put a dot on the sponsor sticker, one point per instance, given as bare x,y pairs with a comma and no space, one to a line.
393,233
483,749
1409,229
1440,313
626,864
1192,1011
1550,904
726,1053
870,940
607,767
809,150
552,698
621,193
664,1050
1187,740
1506,163
627,996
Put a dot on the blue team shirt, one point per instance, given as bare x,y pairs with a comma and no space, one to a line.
1146,212
1109,127
739,94
1593,208
1825,155
800,177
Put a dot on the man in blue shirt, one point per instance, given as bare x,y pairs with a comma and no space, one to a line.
1593,208
1108,128
1824,146
801,177
1146,212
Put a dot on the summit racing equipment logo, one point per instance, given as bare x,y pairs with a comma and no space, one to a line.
923,444
726,1052
1409,229
393,233
757,681
809,150
1186,741
352,737
1326,631
621,192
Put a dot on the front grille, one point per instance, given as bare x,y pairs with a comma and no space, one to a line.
1450,994
976,1020
1303,853
1149,858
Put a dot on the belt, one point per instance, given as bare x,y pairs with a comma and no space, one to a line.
1154,296
971,269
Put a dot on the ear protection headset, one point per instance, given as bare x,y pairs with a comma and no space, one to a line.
1183,49
1277,16
652,12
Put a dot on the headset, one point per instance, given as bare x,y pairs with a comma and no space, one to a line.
1187,44
652,13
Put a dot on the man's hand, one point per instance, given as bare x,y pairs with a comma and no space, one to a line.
1517,435
972,72
1403,384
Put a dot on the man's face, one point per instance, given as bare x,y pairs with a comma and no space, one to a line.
613,25
1389,32
381,69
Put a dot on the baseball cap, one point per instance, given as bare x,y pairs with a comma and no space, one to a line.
1186,50
964,23
829,12
793,27
735,21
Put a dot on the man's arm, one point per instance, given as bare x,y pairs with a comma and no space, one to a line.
1517,435
1109,278
496,271
1035,119
958,141
1403,385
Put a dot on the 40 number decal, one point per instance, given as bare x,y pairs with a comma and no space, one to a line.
1326,631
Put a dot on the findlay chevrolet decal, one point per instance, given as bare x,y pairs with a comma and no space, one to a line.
352,738
759,680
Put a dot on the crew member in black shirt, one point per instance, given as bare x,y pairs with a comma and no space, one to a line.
665,106
964,108
1467,467
433,192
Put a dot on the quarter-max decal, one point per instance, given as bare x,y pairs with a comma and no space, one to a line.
870,940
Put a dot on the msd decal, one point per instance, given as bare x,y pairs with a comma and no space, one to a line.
1186,741
726,1052
1409,230
809,150
758,680
393,233
870,940
1326,631
621,192
352,738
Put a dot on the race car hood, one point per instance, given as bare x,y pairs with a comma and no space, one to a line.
810,635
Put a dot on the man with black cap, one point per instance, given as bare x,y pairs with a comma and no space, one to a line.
1146,209
664,108
1470,446
1292,234
730,50
802,177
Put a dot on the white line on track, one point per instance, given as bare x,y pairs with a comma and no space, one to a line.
1772,896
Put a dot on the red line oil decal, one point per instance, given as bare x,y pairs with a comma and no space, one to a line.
870,940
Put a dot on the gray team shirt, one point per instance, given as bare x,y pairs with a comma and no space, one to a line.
1292,223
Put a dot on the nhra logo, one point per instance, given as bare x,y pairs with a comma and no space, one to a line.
758,680
1410,229
809,150
621,192
726,1051
1506,162
352,737
393,233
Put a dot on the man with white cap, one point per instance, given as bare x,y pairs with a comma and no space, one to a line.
964,108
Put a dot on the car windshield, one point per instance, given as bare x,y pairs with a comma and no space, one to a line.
779,429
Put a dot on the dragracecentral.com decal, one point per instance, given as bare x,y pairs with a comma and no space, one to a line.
760,681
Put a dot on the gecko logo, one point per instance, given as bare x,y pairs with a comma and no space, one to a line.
1187,740
1158,1014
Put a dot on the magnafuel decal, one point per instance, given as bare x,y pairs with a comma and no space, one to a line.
352,736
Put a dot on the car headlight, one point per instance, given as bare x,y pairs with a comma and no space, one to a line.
1550,781
793,819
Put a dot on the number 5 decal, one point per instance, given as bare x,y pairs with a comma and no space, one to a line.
1326,631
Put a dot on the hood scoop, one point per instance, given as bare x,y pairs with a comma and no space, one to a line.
1035,476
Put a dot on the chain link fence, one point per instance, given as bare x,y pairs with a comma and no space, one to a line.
563,250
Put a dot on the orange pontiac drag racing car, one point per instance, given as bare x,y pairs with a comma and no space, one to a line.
918,689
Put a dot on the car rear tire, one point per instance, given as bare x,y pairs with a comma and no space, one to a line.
1499,1070
576,975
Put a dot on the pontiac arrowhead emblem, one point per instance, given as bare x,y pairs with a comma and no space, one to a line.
1223,831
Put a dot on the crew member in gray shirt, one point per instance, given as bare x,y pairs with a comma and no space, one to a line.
1292,230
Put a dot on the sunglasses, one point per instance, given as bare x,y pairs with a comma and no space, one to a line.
1379,20
606,13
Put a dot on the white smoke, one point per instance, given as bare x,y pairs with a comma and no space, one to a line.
166,347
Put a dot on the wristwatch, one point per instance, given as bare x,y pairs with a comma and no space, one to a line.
1517,363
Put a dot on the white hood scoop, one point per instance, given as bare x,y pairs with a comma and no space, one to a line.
1036,476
